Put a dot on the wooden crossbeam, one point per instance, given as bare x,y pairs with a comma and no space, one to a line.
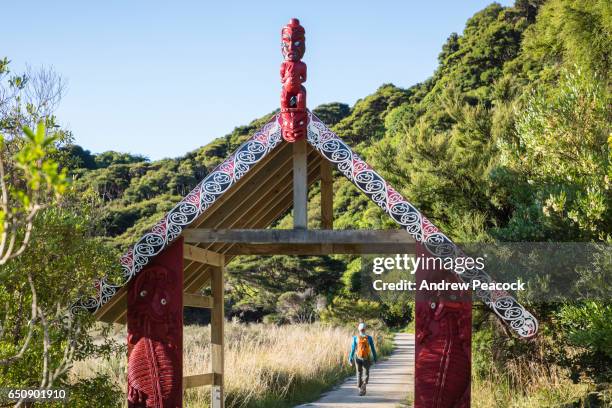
200,380
320,249
201,255
296,236
195,300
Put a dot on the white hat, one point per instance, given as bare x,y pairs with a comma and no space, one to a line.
361,326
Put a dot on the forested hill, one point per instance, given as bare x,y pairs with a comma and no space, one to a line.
507,140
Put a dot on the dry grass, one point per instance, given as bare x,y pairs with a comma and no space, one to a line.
525,385
266,365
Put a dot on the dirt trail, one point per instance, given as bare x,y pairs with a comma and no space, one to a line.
390,382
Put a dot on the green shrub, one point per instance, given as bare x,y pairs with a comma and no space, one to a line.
587,327
98,391
352,309
396,315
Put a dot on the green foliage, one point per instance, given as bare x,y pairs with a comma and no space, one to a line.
107,159
39,287
574,31
435,169
367,118
298,307
397,314
587,327
332,113
39,169
261,284
475,60
30,175
562,157
352,309
78,158
351,279
34,173
99,389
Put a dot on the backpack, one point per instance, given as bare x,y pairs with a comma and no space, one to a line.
363,348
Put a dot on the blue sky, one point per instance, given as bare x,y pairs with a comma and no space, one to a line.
163,78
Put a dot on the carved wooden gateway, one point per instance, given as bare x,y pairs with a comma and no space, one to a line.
227,214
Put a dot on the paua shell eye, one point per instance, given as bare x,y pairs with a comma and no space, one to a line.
163,301
297,43
143,293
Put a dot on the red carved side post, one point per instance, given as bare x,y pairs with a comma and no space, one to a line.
443,342
155,332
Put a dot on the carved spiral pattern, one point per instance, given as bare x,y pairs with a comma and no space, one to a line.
185,212
418,226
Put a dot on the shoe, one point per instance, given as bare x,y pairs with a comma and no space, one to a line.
362,390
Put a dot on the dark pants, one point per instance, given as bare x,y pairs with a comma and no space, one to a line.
362,365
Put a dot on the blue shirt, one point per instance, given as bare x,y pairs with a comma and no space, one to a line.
354,348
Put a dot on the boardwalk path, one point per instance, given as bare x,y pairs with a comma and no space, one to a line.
390,382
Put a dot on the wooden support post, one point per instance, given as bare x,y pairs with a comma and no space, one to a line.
327,196
300,185
217,321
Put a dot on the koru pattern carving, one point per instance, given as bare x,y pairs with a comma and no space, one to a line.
186,211
405,214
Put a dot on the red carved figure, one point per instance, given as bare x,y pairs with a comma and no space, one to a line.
155,323
293,74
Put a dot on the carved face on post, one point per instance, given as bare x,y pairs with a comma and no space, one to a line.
152,303
293,40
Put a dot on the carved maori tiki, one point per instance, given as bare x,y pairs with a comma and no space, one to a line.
443,342
155,332
294,119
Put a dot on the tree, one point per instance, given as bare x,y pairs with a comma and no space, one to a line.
561,156
29,174
366,121
33,175
39,336
48,254
577,32
332,113
299,307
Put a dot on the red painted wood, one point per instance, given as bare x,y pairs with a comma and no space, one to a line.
443,343
294,119
155,332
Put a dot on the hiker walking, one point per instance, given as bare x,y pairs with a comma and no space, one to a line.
362,354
